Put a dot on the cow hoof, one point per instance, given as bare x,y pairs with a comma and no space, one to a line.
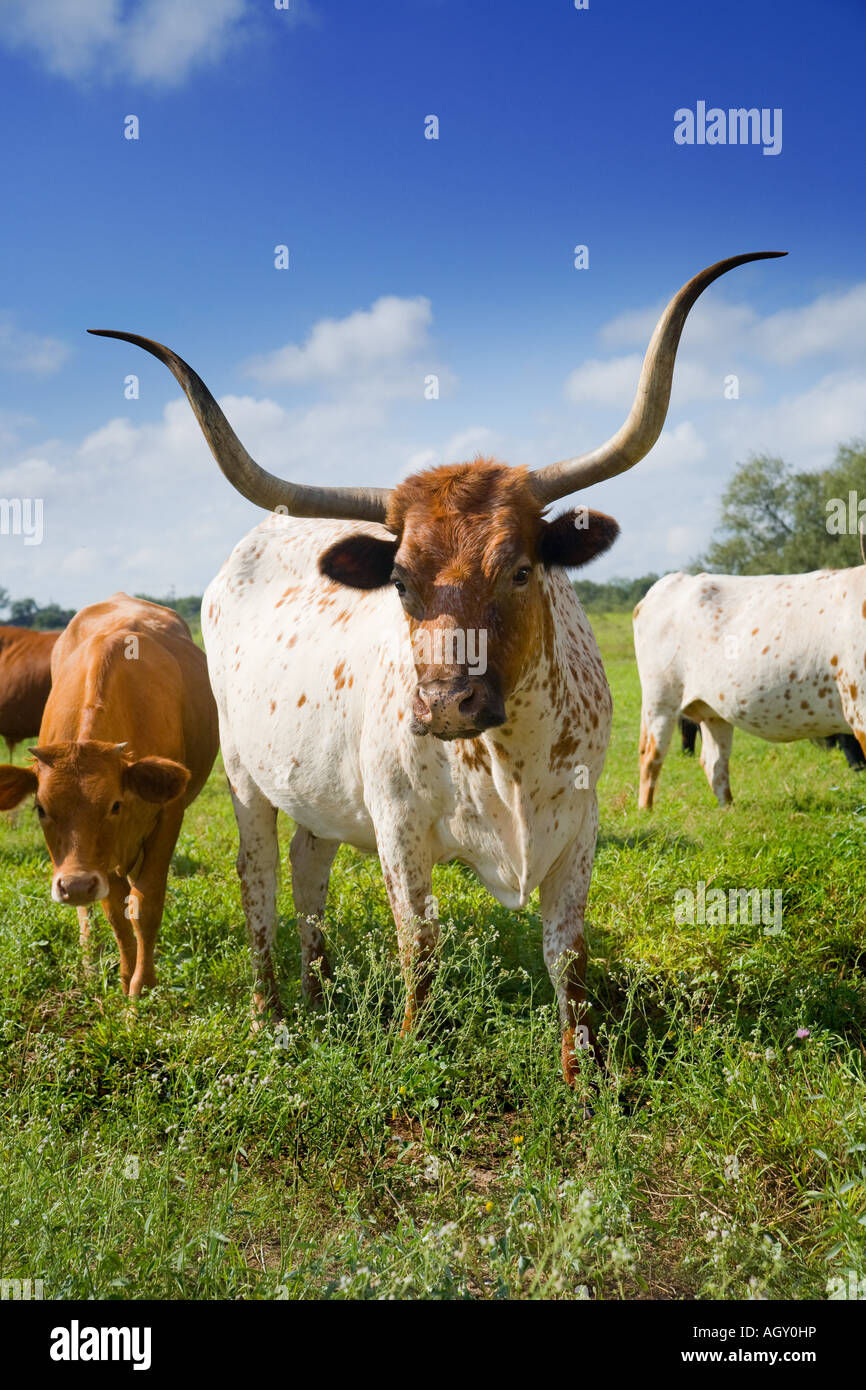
264,1012
574,1041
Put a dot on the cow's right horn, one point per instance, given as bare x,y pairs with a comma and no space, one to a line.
255,483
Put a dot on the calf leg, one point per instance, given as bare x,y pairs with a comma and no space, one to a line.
86,943
656,728
717,738
147,897
257,866
563,905
116,909
311,860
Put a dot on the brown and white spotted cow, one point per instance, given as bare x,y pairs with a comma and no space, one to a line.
128,738
781,656
423,685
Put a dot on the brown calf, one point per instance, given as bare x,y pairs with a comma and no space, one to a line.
128,738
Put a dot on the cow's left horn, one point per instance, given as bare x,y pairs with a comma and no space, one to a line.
255,483
644,424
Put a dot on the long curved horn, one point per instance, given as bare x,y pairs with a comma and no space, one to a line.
255,483
646,419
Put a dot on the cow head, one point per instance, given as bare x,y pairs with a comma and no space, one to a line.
95,804
470,548
469,541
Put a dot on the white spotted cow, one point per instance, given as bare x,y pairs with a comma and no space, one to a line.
339,706
780,656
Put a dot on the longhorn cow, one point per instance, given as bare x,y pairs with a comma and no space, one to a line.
340,656
779,655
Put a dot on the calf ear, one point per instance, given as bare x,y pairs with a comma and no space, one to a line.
15,784
576,537
359,562
156,779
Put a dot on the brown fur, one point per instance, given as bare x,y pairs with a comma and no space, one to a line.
25,680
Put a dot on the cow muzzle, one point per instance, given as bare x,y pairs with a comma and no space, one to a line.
77,889
461,708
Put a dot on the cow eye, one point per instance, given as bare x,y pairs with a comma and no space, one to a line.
40,811
115,810
521,576
398,585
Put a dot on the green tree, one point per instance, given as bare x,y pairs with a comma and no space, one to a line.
777,521
22,611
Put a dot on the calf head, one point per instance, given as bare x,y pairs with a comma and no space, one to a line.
95,806
469,550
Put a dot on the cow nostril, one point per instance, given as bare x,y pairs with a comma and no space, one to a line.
471,703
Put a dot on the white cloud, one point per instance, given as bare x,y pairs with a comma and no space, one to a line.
604,383
614,382
391,331
143,506
677,448
462,447
805,427
711,321
833,323
150,41
23,351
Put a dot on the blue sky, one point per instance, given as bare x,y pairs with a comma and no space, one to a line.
410,256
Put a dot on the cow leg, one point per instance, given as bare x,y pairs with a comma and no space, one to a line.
147,897
563,905
408,884
717,738
311,860
258,864
116,909
689,732
656,728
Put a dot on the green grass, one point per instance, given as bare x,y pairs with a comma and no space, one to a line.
159,1151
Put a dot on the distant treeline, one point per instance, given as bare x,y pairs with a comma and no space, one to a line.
188,606
26,612
615,594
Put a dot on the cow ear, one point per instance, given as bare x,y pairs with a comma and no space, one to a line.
155,779
576,537
359,562
15,784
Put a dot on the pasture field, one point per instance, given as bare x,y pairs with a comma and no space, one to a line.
158,1151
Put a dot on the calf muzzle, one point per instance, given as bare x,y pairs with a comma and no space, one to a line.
78,889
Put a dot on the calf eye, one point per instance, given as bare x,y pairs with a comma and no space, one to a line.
115,810
399,586
521,576
40,811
